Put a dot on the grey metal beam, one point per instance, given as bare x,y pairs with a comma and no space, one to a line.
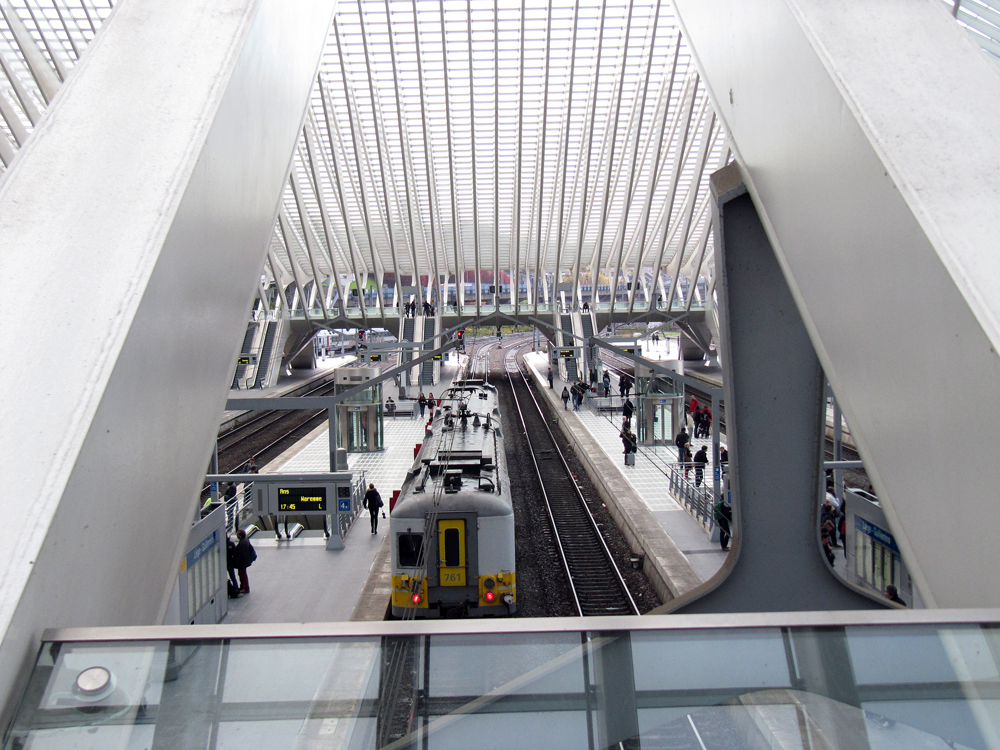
775,420
170,200
325,402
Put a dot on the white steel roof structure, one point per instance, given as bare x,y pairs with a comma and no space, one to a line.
541,147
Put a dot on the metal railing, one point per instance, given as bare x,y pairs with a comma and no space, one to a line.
691,486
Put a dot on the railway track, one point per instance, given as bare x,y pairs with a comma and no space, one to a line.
597,585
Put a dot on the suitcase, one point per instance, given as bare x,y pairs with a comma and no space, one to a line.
630,459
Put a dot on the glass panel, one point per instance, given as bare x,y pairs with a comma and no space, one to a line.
452,557
878,687
409,549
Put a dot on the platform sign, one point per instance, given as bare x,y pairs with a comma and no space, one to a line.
374,357
344,504
567,353
629,350
243,361
299,499
436,357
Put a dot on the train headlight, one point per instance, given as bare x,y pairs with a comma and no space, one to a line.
489,583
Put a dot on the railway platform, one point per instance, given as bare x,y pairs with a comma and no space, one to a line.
345,588
679,547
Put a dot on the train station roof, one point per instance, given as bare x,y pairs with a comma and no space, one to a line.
470,139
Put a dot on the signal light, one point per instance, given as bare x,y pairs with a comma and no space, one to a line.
416,598
489,596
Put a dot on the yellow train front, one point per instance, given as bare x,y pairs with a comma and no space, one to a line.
452,527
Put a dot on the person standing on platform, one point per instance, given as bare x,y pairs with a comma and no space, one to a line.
606,381
245,556
627,411
629,444
422,401
430,405
700,462
696,418
234,585
390,407
688,461
723,515
373,502
593,377
551,379
565,398
681,442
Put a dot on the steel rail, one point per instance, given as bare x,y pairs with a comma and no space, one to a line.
511,355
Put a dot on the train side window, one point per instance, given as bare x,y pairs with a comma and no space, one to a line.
452,549
409,549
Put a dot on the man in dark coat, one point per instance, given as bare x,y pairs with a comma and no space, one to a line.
700,461
681,442
373,501
723,515
628,409
244,558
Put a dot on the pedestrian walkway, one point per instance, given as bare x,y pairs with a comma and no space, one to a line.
647,478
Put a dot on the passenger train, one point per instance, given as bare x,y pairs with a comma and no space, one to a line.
452,526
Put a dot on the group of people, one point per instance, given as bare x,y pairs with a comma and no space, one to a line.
577,392
410,309
425,403
701,418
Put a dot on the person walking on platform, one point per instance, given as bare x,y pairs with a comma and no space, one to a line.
390,407
723,515
422,401
245,556
551,379
627,411
606,381
696,418
700,462
681,442
430,405
565,398
373,502
593,377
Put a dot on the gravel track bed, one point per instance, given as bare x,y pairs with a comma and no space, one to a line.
541,581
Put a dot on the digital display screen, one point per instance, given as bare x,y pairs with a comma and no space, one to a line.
299,499
436,357
567,353
629,351
243,361
375,357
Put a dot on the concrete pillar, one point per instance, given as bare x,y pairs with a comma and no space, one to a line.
145,201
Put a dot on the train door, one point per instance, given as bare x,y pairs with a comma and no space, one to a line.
451,552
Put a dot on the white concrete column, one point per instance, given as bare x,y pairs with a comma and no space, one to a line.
133,228
866,132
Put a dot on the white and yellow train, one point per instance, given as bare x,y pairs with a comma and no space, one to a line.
452,527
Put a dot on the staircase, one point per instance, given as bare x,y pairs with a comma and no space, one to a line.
263,364
427,368
245,352
407,336
566,321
